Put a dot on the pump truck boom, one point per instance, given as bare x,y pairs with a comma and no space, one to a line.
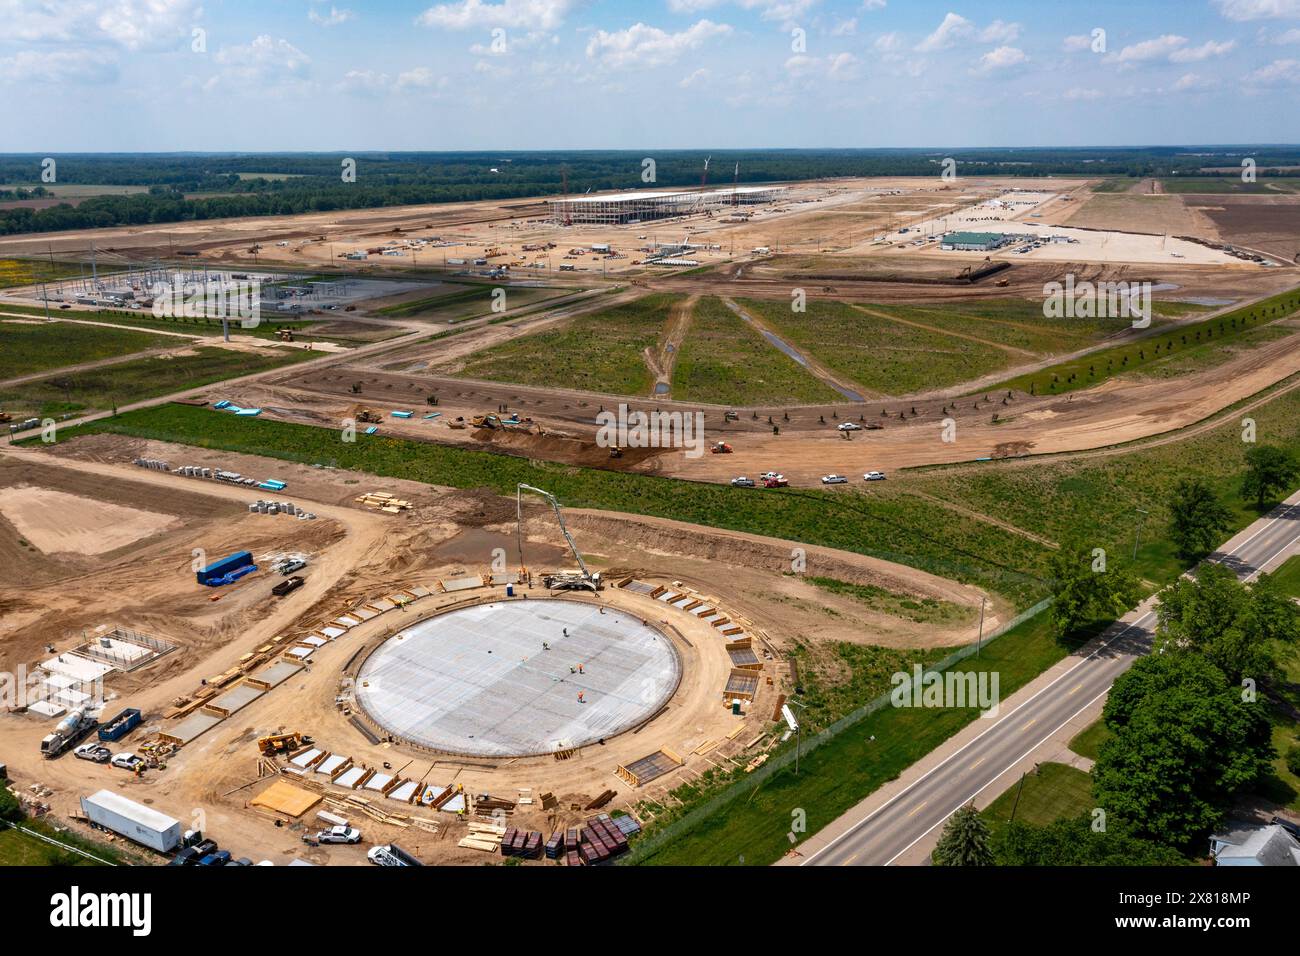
582,578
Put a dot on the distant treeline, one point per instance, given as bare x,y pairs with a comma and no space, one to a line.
298,182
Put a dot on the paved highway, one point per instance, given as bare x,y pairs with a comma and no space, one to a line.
881,835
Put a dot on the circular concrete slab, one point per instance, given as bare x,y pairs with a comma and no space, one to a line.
479,680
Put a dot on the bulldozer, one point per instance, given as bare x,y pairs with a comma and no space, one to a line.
282,743
615,452
485,421
368,416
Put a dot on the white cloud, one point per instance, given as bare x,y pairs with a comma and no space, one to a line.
1258,9
888,43
873,4
471,14
1083,93
1277,73
835,66
1003,58
698,78
60,66
1285,38
364,81
131,24
1156,49
1203,52
641,46
1077,43
331,19
1191,82
845,28
266,63
957,29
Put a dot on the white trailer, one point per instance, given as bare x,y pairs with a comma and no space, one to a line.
135,821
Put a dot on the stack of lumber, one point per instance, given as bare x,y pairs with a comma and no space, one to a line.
384,501
483,836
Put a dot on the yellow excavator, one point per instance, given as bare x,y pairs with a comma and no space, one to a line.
282,743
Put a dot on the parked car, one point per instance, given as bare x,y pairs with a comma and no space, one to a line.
339,835
834,480
849,427
874,476
127,761
93,751
189,856
742,482
220,858
242,861
203,848
292,565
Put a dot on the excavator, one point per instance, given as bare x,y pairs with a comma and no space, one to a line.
584,578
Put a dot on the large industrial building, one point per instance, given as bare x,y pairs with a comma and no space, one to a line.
975,241
646,205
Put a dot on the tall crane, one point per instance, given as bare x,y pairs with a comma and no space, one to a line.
584,578
735,186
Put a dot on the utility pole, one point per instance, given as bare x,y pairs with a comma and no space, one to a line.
1137,532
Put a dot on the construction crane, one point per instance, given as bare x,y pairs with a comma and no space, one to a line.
704,179
735,186
583,578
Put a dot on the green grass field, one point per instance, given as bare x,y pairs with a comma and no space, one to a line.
115,385
726,361
1230,184
1017,323
1192,345
23,849
1087,742
1098,498
752,829
922,610
28,348
878,355
1052,792
1287,576
20,272
598,352
457,303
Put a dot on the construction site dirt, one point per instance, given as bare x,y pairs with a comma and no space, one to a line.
358,555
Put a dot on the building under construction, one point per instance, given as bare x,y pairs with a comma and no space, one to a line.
616,209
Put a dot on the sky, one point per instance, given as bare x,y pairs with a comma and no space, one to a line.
261,75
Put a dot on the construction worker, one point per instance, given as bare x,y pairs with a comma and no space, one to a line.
580,699
580,670
545,646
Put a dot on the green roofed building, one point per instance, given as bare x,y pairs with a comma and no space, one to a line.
974,241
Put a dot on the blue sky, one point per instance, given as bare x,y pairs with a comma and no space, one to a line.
158,75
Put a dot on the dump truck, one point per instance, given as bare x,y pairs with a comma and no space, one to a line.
282,743
69,732
485,421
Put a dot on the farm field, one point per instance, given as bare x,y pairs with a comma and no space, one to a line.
600,351
879,354
1013,323
108,387
36,345
724,360
1231,184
